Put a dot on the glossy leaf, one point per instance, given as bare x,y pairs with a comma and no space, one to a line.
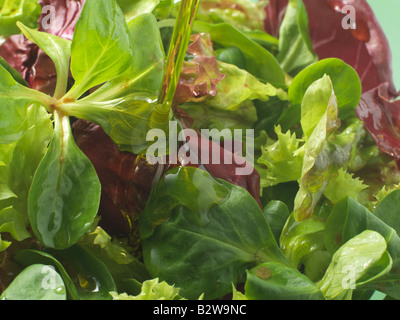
298,239
92,279
14,73
126,120
145,73
346,85
295,47
218,227
360,260
387,210
59,51
65,192
277,214
276,281
28,257
100,35
317,167
132,9
36,282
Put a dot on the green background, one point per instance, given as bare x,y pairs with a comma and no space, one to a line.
388,15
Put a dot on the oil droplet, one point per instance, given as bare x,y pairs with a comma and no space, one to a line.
263,273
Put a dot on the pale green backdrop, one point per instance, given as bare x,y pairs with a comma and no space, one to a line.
388,14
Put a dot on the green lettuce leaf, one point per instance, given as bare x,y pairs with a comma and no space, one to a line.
152,290
36,282
276,281
12,11
282,158
243,14
295,47
318,167
360,260
218,226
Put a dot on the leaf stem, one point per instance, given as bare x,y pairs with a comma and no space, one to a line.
177,51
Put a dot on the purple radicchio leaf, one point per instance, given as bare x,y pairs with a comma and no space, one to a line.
58,17
365,48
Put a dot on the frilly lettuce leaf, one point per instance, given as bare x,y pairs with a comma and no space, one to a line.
152,290
200,75
239,86
283,159
342,185
11,11
243,14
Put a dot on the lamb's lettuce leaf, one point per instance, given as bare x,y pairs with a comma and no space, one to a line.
218,226
106,51
65,192
58,49
346,84
36,282
295,47
360,260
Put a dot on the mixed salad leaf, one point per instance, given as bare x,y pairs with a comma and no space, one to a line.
304,205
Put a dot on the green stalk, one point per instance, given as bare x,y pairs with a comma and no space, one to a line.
177,51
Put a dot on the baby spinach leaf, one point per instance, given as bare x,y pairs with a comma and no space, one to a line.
295,47
218,227
100,47
59,51
360,260
65,191
274,280
345,81
36,282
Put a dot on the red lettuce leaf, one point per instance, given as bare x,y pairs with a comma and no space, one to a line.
126,179
200,75
381,117
365,48
31,62
225,171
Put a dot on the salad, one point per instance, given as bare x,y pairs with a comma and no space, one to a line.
197,149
